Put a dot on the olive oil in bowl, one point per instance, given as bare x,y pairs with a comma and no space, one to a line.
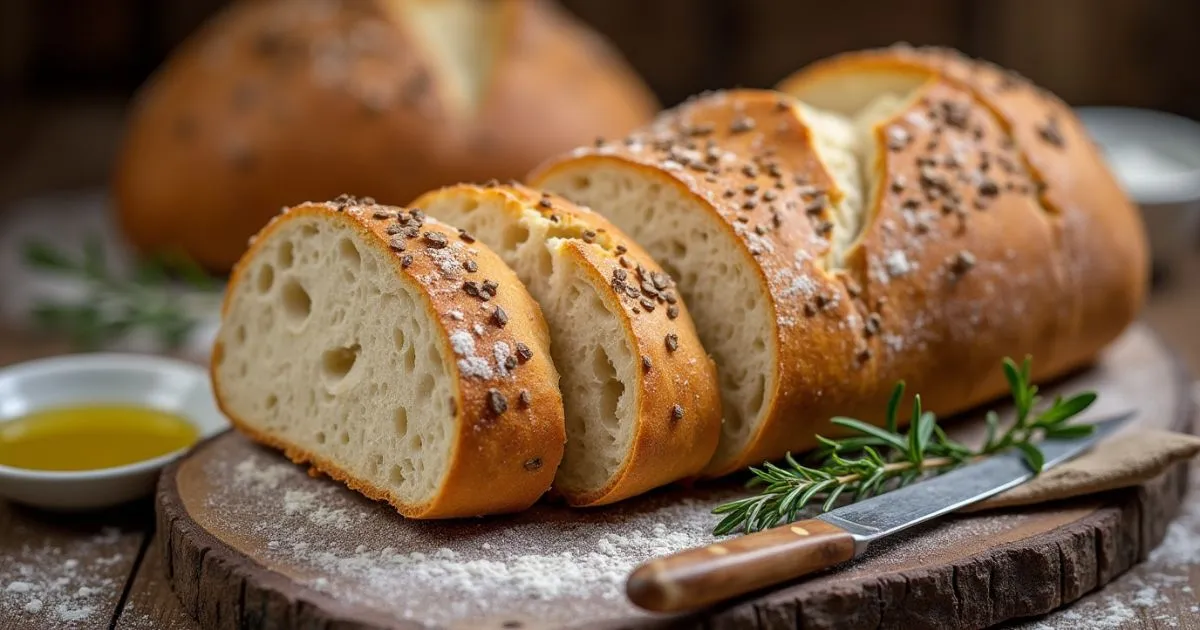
92,437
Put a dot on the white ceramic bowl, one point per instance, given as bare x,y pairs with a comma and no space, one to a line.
145,380
1156,157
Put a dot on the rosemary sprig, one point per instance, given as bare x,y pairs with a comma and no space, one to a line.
873,460
115,306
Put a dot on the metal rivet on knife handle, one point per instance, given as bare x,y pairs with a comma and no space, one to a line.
700,577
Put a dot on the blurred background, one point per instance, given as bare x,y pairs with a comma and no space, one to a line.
68,69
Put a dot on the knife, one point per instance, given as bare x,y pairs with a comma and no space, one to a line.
707,575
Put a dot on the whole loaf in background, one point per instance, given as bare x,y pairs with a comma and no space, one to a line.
912,215
274,102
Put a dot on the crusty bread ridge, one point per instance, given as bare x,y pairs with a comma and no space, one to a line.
275,101
827,253
395,355
1099,235
641,399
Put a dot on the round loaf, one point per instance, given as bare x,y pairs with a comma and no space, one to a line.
1099,236
387,351
640,394
278,101
826,254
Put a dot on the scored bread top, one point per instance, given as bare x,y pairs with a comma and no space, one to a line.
509,435
929,261
1098,231
678,409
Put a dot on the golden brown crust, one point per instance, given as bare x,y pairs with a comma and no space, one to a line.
277,101
1098,234
761,198
509,416
665,446
957,264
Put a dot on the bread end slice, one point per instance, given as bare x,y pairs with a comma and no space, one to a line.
390,353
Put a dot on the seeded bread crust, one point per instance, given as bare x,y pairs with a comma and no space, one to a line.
276,101
509,434
677,400
1100,240
776,238
955,265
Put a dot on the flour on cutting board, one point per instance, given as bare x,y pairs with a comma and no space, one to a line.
332,536
48,587
1165,575
547,564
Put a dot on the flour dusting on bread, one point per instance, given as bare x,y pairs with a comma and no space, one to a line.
635,380
336,346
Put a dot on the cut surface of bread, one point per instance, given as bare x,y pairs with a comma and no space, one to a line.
719,259
917,218
641,410
459,38
348,341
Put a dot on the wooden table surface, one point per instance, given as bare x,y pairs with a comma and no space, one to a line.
103,570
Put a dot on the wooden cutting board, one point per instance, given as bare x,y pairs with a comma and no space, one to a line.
251,541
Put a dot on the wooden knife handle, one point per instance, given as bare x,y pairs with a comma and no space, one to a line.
706,575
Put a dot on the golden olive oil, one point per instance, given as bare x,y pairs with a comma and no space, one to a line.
89,437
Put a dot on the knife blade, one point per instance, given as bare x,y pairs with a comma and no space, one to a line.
707,575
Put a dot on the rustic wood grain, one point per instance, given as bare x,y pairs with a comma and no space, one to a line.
50,557
1036,560
151,604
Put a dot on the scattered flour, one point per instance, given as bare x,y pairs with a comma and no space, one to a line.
538,564
43,586
897,264
553,565
309,503
502,352
447,260
541,565
469,364
1154,589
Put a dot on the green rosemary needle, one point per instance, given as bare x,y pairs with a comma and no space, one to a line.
116,305
873,460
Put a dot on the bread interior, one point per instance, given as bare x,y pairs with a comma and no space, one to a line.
590,348
717,277
301,361
461,40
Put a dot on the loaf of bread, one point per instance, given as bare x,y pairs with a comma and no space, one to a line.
395,354
919,218
1101,257
277,101
640,394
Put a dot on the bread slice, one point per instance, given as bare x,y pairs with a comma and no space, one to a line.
395,355
826,255
641,398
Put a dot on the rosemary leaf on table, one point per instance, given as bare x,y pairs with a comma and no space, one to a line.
872,460
114,305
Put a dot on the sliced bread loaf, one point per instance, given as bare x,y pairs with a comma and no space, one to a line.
394,354
641,397
828,253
